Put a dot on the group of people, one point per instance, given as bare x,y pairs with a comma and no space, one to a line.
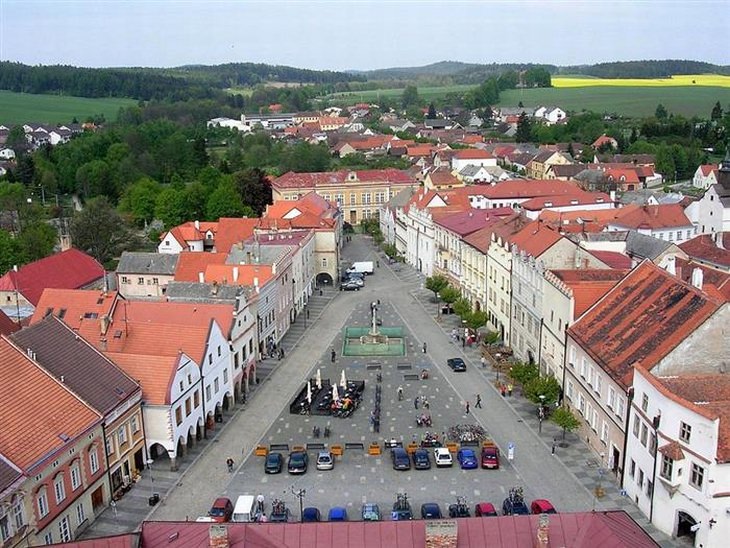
421,401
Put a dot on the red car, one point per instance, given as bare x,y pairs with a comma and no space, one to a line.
542,506
490,457
484,510
222,510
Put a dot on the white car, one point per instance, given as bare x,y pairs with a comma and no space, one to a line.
325,461
442,457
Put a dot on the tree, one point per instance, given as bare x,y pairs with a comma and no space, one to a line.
565,419
140,199
225,202
449,294
36,241
100,231
716,112
171,207
524,129
254,188
436,283
410,97
661,112
8,252
462,307
665,163
523,373
476,319
546,386
508,80
432,111
537,77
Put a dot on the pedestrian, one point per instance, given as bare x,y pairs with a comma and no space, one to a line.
333,355
503,390
260,503
424,347
479,402
467,408
229,464
415,401
509,389
484,362
400,393
463,342
426,404
553,449
307,313
320,293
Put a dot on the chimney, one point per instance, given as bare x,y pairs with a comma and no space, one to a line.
717,237
214,289
235,274
697,277
197,225
273,268
218,536
104,324
62,379
256,282
201,277
671,265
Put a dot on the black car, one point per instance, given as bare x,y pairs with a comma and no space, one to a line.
514,507
430,510
274,463
460,509
421,460
298,461
456,364
400,459
350,286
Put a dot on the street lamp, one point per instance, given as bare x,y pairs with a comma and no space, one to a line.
541,412
300,493
152,482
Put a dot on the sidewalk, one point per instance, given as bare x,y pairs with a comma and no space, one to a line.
576,456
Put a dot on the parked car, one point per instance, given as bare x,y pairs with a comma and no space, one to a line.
542,506
456,364
401,508
460,509
222,510
298,461
311,514
490,457
442,457
350,286
467,458
355,280
400,459
514,507
485,509
430,510
274,463
338,513
325,461
421,460
279,514
370,512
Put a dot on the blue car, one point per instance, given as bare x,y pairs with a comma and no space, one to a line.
338,513
467,459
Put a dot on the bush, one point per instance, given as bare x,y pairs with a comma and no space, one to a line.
546,386
565,419
523,373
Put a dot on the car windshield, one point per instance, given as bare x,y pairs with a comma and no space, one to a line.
297,459
217,512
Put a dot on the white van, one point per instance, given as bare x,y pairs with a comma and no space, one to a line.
244,512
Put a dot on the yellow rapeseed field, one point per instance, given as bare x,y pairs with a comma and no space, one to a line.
710,80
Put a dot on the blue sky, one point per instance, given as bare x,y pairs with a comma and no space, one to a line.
363,35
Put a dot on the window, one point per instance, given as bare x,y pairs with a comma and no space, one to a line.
583,367
219,350
140,281
611,398
632,468
4,527
636,426
80,514
134,423
225,376
122,435
644,402
652,444
644,432
581,403
679,234
366,198
697,476
353,198
640,478
598,382
649,488
667,468
125,280
94,460
109,445
196,398
48,538
207,393
594,419
64,530
570,391
324,262
42,501
216,385
156,281
178,416
187,407
604,432
18,514
685,432
59,488
75,476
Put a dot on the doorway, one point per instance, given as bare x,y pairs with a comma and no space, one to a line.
685,526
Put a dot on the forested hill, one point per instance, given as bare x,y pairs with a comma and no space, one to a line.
646,69
459,73
153,83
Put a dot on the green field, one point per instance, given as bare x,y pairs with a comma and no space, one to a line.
16,108
627,101
426,93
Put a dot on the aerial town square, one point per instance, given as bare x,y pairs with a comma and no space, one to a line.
271,274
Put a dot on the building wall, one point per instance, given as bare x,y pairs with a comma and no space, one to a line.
474,278
217,373
558,306
125,438
499,282
143,285
706,214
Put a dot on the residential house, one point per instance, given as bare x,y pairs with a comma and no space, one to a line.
605,141
21,289
578,201
142,274
216,236
711,213
665,222
393,220
100,384
551,115
704,177
472,157
359,193
650,318
472,174
441,179
54,469
678,454
537,167
7,154
712,251
567,295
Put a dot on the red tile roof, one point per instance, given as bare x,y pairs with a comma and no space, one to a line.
529,188
190,263
588,285
482,238
661,216
711,277
579,198
535,238
706,169
312,180
704,248
464,223
606,529
614,259
70,269
7,326
74,306
472,154
231,231
33,432
642,319
628,176
591,220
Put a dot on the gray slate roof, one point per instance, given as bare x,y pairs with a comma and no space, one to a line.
137,262
86,372
645,247
204,293
8,475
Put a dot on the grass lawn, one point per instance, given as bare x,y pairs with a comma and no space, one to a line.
16,108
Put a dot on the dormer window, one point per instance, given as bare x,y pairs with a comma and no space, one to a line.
352,176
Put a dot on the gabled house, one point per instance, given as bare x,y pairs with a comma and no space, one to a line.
605,141
665,222
143,274
472,157
650,318
441,179
538,165
705,176
713,251
711,213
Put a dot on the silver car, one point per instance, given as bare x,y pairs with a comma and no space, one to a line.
325,461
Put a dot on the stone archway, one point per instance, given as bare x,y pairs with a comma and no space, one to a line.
685,524
324,279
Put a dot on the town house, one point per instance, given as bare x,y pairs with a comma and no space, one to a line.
143,274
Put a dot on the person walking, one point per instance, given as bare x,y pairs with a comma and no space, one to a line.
484,362
467,408
424,347
229,464
509,389
415,401
479,402
400,393
333,355
503,390
260,503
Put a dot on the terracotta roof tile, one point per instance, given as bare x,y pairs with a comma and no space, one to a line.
672,450
75,306
154,374
652,216
578,198
589,285
311,180
70,269
614,259
535,238
7,326
191,263
642,319
231,231
472,154
703,247
34,432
